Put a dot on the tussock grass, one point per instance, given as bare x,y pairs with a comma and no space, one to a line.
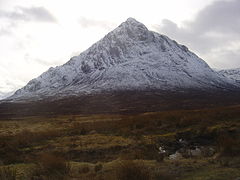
8,173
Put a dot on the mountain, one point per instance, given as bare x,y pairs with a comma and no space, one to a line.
128,58
231,73
5,94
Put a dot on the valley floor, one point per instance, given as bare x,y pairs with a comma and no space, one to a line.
123,146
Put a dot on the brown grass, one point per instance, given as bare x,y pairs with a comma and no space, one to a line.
51,165
11,146
126,137
7,173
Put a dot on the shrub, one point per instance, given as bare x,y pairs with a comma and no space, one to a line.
228,146
83,170
83,131
7,173
77,129
98,167
132,170
52,165
10,146
9,152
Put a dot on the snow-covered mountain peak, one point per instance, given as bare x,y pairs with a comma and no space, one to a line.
133,23
130,30
132,20
128,58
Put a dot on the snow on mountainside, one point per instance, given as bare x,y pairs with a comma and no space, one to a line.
4,94
231,73
130,57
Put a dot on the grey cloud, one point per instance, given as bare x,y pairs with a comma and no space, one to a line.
39,14
216,26
201,42
221,16
226,57
87,23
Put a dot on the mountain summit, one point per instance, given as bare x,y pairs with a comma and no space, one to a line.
128,58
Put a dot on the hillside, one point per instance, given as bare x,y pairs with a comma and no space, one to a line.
231,73
128,58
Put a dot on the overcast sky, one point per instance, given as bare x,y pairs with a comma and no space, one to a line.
38,34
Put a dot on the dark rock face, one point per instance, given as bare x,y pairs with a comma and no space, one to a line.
85,68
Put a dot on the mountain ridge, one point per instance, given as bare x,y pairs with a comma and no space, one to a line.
128,58
231,73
